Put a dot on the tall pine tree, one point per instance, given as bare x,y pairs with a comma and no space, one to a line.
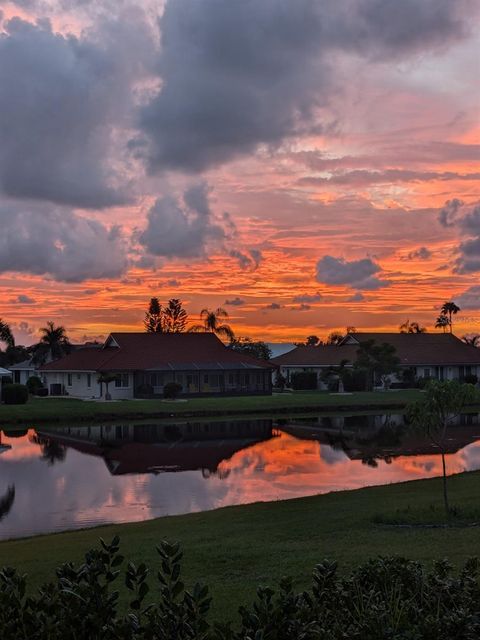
174,317
153,322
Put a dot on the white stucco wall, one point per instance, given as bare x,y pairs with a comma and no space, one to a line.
79,385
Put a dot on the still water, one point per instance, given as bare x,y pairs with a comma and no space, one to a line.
59,478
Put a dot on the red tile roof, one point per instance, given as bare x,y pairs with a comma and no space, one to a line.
157,351
413,349
323,355
426,348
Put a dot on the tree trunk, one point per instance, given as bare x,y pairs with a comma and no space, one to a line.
445,495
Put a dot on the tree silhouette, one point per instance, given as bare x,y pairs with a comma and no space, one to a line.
474,341
174,318
212,323
335,338
6,334
54,343
106,379
153,322
450,309
52,451
441,323
412,327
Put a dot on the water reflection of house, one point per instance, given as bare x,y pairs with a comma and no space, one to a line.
156,448
385,437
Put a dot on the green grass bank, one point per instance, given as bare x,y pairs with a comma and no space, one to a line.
52,410
235,549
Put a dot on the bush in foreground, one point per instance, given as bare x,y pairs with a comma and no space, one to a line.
15,394
386,598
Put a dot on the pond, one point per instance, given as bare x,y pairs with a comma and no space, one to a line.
52,479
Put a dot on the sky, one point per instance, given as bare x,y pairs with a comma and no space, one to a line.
306,165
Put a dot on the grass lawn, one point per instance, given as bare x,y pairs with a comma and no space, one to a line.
65,409
237,548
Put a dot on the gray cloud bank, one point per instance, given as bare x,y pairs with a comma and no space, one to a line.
81,117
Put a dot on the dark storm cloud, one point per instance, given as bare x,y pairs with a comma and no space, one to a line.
470,298
422,253
54,241
235,302
185,227
61,99
465,218
238,74
306,297
359,274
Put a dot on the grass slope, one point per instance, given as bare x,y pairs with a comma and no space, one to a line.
66,409
235,549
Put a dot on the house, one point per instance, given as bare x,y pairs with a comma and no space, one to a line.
22,371
144,363
442,356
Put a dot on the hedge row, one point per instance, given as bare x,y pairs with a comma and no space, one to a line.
386,598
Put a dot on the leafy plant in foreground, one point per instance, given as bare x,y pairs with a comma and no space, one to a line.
383,599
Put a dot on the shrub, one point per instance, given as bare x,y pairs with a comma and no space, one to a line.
34,384
144,390
304,380
470,378
279,381
172,390
383,598
15,394
42,392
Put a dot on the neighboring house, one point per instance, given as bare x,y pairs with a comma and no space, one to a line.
144,363
22,371
442,356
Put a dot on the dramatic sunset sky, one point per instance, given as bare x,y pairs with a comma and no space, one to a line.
306,164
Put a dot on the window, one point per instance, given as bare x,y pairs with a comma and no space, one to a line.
89,380
205,379
122,380
16,376
69,379
230,379
426,373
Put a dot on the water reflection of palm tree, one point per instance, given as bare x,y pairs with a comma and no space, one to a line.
6,501
52,451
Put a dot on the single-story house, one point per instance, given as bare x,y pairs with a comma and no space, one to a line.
22,371
144,363
442,356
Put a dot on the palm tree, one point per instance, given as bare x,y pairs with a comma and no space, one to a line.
212,323
474,341
106,379
6,334
448,309
441,323
54,342
412,327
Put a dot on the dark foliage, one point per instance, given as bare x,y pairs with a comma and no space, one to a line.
14,394
470,378
34,383
304,380
386,598
254,348
172,390
144,391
